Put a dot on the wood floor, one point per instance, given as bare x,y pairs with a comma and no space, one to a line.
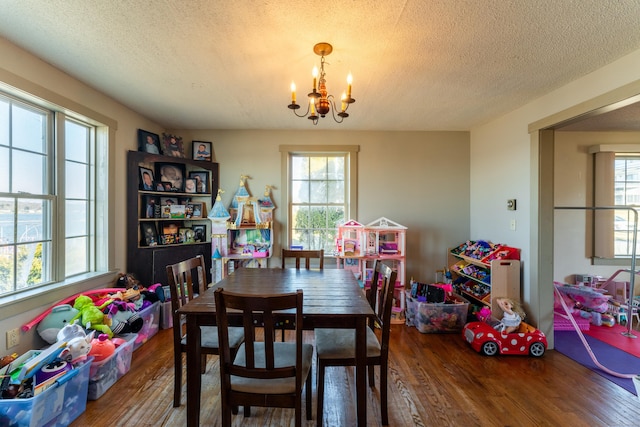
434,380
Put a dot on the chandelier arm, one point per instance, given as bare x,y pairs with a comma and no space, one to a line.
331,98
305,114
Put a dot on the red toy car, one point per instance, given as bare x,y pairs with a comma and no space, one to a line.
486,340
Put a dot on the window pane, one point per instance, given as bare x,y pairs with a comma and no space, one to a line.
4,122
29,265
300,168
300,216
318,168
7,216
76,218
76,180
335,168
32,221
77,138
318,217
4,170
6,268
76,258
335,191
28,129
27,173
300,191
336,217
318,192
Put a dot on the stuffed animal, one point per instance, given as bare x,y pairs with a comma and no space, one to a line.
512,315
58,318
78,343
124,318
92,316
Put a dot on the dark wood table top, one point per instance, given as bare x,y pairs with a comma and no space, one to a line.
327,293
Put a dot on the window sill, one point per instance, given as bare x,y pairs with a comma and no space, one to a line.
48,295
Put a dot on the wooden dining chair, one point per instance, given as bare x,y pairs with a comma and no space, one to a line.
336,347
187,280
306,255
264,372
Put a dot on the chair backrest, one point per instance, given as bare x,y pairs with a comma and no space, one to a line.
383,307
265,309
187,280
307,255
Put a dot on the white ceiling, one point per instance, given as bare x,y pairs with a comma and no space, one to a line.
416,64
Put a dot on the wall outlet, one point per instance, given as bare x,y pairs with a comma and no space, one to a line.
13,337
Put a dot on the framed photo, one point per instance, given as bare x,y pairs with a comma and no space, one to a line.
199,233
202,181
184,200
194,210
190,185
172,173
168,201
151,204
201,150
149,234
160,186
148,142
172,145
146,179
186,235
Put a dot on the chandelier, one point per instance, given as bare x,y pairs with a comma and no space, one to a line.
320,103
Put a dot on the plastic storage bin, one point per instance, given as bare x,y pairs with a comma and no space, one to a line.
57,406
151,317
166,317
105,373
429,318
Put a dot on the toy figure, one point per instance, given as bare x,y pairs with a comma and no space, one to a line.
78,343
92,316
512,315
58,318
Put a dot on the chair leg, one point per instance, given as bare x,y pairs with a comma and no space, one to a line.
177,377
320,392
372,380
308,393
383,393
226,413
203,363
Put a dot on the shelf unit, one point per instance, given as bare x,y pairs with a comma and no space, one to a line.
480,281
185,237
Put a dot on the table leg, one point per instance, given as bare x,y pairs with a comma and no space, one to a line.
361,371
193,372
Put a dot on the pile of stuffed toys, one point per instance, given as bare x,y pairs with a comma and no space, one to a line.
78,328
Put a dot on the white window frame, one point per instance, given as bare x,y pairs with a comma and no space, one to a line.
101,247
351,178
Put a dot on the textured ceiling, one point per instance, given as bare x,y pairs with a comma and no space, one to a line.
416,64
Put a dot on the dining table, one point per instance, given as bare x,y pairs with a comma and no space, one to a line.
332,298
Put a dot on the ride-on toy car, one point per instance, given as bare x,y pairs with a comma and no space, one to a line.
484,339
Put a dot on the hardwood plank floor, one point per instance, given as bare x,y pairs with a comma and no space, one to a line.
434,380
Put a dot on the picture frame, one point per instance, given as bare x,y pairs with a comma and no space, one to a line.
190,185
199,233
201,150
168,201
148,142
147,179
149,234
160,186
172,173
150,206
202,181
194,210
186,235
172,145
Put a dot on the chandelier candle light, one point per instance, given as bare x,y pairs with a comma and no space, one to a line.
319,102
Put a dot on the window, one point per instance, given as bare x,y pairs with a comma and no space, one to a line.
320,195
49,212
626,193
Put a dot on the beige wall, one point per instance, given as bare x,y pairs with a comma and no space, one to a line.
573,186
26,72
418,179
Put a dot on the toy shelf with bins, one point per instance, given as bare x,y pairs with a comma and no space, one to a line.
156,236
481,280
